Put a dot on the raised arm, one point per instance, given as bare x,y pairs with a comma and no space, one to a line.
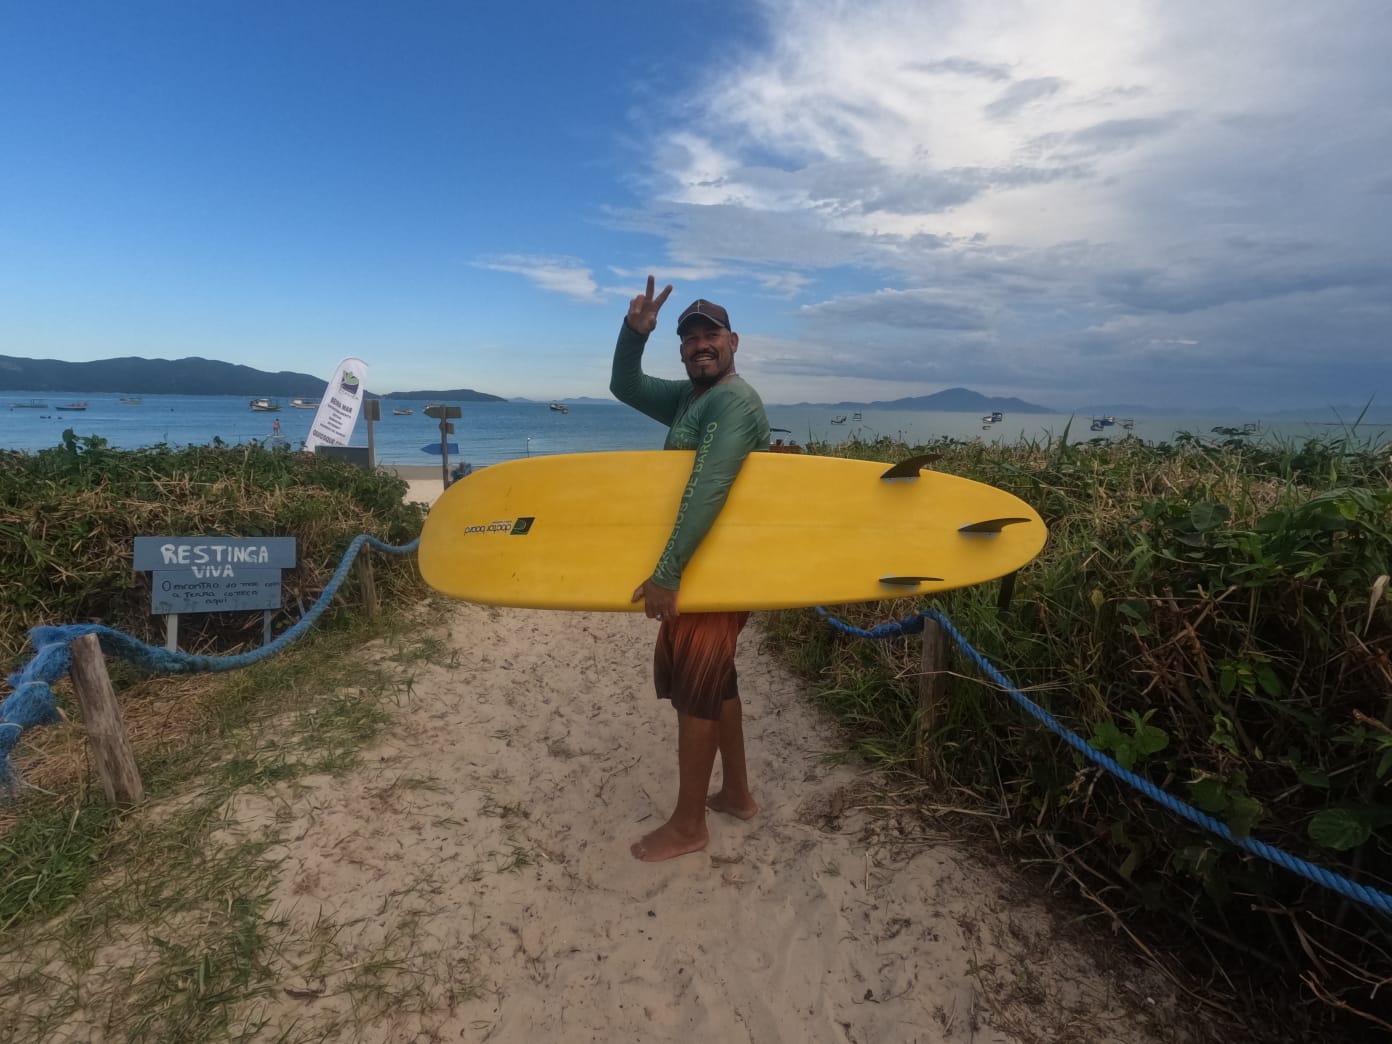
659,399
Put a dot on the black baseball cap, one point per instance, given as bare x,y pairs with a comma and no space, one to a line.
703,309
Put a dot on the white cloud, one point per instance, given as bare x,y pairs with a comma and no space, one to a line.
1049,174
563,275
1083,197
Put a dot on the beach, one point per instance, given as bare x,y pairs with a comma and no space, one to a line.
423,483
469,877
483,847
492,829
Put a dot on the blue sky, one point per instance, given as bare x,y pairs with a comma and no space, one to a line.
1165,203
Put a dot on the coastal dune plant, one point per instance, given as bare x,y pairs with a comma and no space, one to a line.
69,516
1214,615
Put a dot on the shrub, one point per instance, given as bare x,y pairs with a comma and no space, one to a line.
69,516
1214,616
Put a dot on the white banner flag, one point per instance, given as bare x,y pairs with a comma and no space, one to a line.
339,408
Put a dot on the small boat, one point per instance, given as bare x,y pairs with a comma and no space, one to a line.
73,406
839,420
132,402
855,416
305,404
560,407
986,418
1128,423
402,413
31,404
778,445
265,406
997,416
1096,425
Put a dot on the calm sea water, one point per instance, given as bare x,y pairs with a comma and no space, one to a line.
490,432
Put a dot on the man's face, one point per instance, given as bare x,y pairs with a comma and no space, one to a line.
708,352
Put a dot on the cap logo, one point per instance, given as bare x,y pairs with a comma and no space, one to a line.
701,308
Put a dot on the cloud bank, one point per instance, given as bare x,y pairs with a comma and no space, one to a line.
1173,202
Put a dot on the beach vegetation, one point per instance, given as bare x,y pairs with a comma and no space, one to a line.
1213,613
69,516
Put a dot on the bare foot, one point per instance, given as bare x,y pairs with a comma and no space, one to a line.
741,809
667,842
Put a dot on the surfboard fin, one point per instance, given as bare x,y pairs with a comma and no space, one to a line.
991,525
909,581
911,467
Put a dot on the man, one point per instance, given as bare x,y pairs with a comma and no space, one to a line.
717,414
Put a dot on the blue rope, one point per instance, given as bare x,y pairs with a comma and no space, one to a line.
32,703
1379,900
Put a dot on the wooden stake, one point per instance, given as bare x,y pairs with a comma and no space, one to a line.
111,749
369,585
932,697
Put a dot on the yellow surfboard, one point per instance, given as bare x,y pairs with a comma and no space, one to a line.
582,530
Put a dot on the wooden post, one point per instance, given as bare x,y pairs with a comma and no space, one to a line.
1006,593
369,585
932,697
111,749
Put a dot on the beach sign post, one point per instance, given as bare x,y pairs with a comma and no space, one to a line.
371,411
338,410
210,574
444,414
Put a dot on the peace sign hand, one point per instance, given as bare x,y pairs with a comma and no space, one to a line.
643,309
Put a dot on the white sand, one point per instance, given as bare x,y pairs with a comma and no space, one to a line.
424,490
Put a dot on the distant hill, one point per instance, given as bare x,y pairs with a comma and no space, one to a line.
131,375
192,376
951,400
571,400
455,395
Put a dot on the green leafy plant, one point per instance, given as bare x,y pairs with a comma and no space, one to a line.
1213,614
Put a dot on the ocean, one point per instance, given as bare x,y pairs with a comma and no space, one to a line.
490,432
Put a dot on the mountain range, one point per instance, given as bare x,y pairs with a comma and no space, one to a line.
949,400
131,375
196,376
192,376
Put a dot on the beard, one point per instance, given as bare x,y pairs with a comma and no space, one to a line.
705,379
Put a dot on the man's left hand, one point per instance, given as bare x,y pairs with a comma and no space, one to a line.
658,602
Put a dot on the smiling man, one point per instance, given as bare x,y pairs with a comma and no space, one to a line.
717,414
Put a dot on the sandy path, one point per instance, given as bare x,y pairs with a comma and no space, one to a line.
485,844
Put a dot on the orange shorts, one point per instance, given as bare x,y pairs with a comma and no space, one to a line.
694,662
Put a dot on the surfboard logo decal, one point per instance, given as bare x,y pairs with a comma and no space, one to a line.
511,526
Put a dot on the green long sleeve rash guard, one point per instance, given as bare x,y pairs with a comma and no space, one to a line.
723,425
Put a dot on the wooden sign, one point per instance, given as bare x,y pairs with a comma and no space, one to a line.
202,574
